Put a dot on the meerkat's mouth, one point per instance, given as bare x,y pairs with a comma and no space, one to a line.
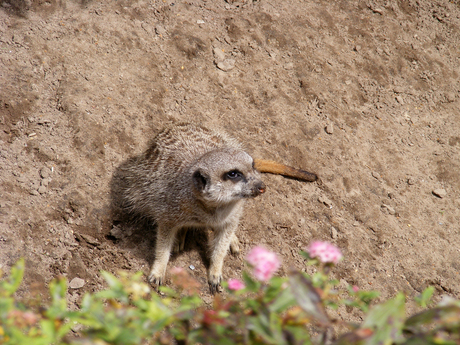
258,189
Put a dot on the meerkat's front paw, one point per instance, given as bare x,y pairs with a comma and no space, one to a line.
235,245
156,280
214,284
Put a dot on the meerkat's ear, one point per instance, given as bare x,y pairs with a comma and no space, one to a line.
200,180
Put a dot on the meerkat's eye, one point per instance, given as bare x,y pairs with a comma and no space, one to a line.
233,175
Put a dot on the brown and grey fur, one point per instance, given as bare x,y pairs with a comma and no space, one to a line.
186,178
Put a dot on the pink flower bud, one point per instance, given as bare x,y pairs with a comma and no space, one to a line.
235,284
265,263
324,251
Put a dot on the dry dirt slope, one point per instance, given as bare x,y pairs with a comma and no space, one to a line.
364,93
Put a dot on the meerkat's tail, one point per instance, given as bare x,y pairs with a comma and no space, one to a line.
265,166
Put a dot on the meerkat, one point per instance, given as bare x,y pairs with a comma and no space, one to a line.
193,177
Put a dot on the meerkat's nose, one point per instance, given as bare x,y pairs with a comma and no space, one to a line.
261,187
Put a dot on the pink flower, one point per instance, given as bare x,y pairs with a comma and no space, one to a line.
324,251
355,288
235,284
265,263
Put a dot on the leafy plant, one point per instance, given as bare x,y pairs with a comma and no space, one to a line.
261,309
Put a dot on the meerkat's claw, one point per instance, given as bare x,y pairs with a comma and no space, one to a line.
214,284
155,281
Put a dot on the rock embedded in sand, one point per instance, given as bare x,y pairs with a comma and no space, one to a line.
219,54
226,65
44,172
76,283
440,193
330,128
389,209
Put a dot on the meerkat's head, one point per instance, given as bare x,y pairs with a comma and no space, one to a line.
224,176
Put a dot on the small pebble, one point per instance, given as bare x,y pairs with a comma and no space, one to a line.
90,239
116,232
450,96
191,267
440,193
226,65
398,89
324,200
199,21
160,30
219,54
42,189
44,172
411,181
334,233
399,99
330,128
76,283
390,209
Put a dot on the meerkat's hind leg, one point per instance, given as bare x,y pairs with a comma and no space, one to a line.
179,243
235,245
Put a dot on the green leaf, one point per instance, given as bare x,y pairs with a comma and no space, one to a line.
446,315
114,282
273,289
387,320
260,325
251,284
58,308
285,300
425,297
48,331
308,298
296,335
16,275
58,289
116,289
168,291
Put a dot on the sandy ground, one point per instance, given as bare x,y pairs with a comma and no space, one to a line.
364,93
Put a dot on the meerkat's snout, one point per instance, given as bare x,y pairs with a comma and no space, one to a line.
261,187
